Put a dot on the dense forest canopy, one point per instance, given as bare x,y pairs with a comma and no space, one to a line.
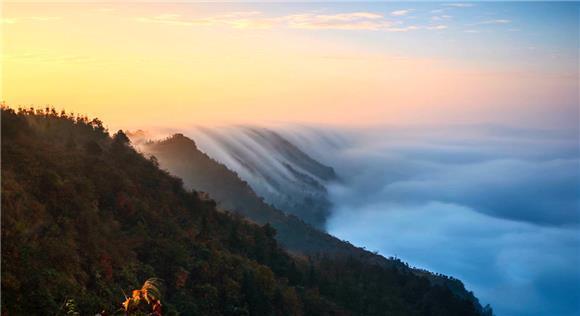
86,218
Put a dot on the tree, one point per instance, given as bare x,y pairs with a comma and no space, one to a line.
121,138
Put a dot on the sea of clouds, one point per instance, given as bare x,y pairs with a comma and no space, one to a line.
496,207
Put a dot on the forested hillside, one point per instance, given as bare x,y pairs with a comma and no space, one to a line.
86,218
180,156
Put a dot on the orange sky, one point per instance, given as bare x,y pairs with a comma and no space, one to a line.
151,65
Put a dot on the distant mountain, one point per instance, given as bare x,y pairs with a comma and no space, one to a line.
85,218
181,157
275,168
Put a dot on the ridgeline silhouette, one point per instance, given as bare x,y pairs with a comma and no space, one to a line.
85,218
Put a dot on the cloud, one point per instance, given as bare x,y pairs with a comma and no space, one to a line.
445,169
403,29
496,207
437,27
497,21
401,12
241,19
441,17
553,184
341,21
521,269
368,21
171,19
459,5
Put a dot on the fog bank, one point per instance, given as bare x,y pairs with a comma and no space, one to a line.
495,207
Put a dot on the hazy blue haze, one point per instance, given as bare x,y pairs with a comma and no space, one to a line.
496,207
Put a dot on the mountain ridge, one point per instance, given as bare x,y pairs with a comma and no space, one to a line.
85,217
195,168
277,170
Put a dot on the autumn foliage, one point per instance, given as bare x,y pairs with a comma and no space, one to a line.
146,300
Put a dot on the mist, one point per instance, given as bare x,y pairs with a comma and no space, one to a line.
495,207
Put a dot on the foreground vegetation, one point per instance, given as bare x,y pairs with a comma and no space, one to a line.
85,218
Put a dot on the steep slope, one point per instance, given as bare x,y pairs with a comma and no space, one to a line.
276,169
181,157
85,217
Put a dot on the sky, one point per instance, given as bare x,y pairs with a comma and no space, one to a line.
139,64
464,117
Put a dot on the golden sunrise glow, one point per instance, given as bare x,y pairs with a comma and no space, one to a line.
135,65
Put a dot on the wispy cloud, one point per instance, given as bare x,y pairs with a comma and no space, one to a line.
441,17
341,21
255,19
15,20
437,27
401,12
241,19
496,21
459,5
172,19
369,21
403,28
